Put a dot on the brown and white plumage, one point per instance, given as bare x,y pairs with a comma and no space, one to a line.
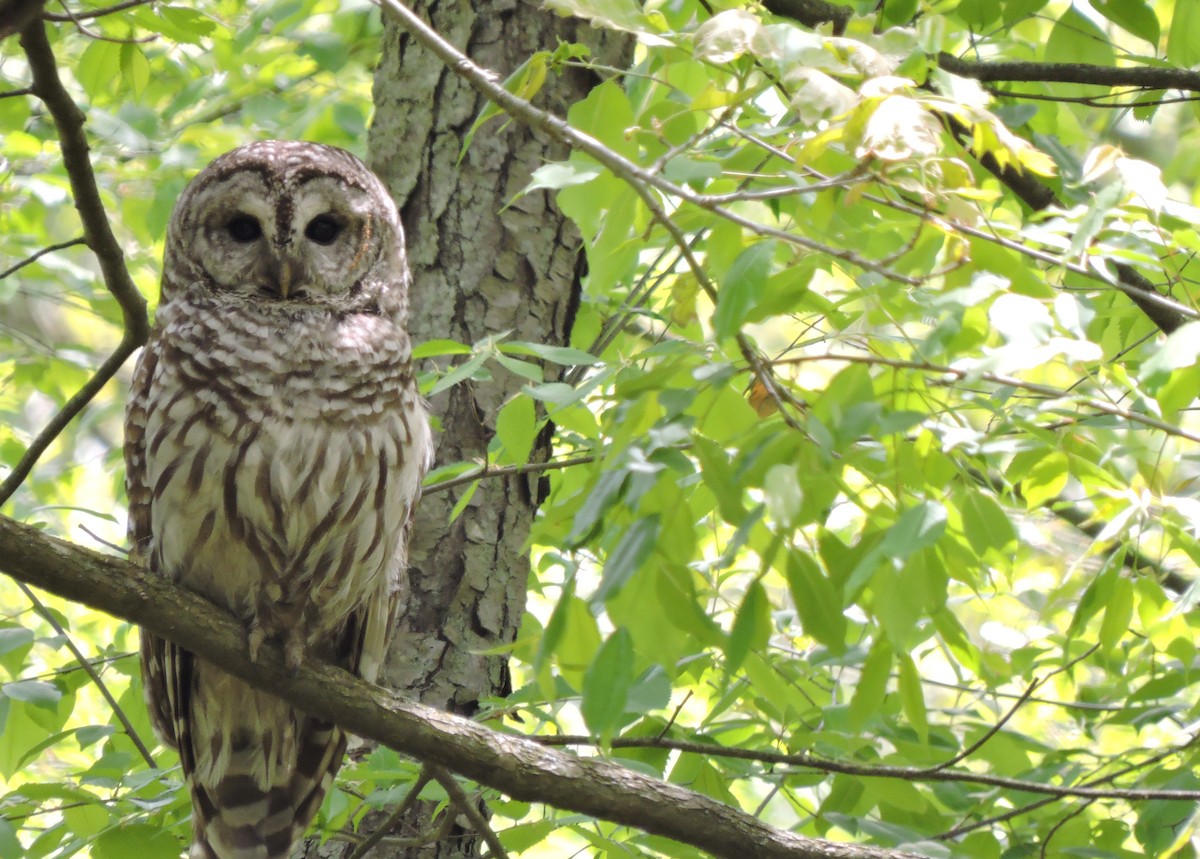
275,446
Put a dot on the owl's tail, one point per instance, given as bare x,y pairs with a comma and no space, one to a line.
236,817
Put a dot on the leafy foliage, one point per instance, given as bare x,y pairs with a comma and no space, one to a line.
876,479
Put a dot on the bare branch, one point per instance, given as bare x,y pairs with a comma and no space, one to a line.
1146,77
956,373
68,119
639,178
511,764
813,13
465,806
930,774
381,831
32,258
90,669
70,17
485,471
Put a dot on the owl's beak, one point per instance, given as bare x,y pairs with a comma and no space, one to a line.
287,276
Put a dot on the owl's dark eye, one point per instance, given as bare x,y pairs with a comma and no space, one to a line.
323,229
244,229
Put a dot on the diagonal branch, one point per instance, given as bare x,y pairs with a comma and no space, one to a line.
514,765
34,257
642,180
68,120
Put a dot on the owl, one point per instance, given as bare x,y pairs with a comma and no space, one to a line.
275,444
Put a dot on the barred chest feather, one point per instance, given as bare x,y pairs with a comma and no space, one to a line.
284,454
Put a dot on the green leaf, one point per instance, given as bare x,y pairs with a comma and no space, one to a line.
631,552
524,369
135,69
10,845
727,35
525,82
912,696
872,685
918,527
466,370
978,14
608,488
1134,16
437,348
1076,39
36,692
1183,39
783,493
562,174
1017,10
751,627
899,12
1045,479
99,65
741,288
606,685
817,601
1118,612
1181,349
516,427
579,641
718,476
85,820
986,524
564,355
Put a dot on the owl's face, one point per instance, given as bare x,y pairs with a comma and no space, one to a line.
288,223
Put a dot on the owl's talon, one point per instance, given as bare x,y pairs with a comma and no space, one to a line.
293,654
255,641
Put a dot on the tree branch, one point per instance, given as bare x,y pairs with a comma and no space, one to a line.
1147,77
94,13
68,120
517,766
638,177
34,257
812,13
90,670
809,761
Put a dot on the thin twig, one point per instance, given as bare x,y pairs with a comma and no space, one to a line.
466,807
100,37
91,671
813,762
486,471
70,17
32,258
1001,379
381,831
1150,77
1035,684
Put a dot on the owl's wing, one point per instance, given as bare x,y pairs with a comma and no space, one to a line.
162,662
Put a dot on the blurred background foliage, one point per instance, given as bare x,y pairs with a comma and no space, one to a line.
878,478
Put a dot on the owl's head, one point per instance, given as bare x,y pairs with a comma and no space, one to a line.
292,223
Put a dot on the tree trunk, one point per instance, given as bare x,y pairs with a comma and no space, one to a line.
479,268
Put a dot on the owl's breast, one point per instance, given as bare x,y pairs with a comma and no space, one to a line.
282,482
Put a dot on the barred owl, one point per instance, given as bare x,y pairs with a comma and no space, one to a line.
275,445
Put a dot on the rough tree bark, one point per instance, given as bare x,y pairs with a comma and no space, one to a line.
483,263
